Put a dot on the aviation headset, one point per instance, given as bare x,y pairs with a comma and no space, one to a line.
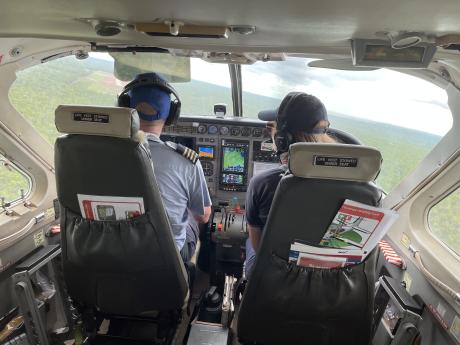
297,104
153,80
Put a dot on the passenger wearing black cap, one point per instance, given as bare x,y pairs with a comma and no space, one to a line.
299,118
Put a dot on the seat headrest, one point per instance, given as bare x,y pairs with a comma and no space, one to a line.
334,161
93,120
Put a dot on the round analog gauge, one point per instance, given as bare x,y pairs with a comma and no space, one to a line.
208,168
246,132
257,132
224,130
235,131
212,129
202,129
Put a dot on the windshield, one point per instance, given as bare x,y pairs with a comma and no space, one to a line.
402,116
210,85
38,90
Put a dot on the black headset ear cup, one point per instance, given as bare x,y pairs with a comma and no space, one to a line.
283,139
280,142
124,100
174,112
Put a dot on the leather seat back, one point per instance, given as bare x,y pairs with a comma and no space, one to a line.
287,304
124,267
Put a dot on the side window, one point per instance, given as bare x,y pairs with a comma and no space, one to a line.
444,221
14,184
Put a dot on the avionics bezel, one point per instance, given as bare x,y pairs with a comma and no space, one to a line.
358,51
245,144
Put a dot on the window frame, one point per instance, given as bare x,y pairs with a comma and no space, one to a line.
16,167
449,191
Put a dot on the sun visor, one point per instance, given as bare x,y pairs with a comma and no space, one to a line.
175,69
334,161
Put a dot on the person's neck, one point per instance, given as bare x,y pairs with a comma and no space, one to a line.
151,128
156,131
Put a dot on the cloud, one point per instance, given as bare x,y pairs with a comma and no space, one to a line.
381,95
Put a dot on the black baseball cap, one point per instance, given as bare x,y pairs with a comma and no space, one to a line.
298,111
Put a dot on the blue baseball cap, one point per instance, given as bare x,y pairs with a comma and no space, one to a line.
151,102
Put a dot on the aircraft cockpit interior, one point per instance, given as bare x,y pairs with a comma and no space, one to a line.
229,173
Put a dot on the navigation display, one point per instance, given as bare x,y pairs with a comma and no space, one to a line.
232,179
234,165
206,152
234,159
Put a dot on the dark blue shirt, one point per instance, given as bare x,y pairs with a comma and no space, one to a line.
259,197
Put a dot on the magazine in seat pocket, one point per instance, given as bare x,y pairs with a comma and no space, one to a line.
316,298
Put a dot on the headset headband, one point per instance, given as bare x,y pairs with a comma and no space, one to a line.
150,81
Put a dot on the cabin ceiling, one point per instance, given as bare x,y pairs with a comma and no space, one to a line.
290,25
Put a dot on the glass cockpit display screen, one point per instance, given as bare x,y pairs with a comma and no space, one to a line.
206,152
234,159
232,179
234,163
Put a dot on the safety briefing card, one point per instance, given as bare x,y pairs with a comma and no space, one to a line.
354,232
323,257
96,207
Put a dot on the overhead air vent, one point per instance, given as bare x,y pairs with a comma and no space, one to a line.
178,29
106,27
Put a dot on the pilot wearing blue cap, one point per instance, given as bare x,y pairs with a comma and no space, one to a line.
299,118
152,103
178,171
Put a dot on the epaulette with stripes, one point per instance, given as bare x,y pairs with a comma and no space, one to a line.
191,155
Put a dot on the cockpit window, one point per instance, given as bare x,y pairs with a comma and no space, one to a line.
210,85
444,222
38,90
15,185
402,116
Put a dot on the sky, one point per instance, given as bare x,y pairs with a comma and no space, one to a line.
381,95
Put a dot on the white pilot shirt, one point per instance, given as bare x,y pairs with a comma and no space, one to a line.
182,186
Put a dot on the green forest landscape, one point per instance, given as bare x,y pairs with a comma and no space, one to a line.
40,89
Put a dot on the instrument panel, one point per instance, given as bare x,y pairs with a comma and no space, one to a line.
231,151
